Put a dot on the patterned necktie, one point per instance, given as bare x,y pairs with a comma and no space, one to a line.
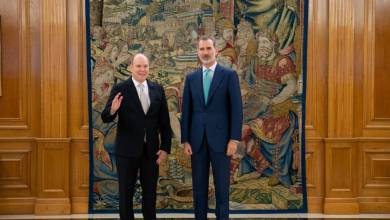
206,84
143,98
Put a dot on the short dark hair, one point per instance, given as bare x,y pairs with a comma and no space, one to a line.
205,38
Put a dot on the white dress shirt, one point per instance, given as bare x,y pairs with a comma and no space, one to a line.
146,89
212,68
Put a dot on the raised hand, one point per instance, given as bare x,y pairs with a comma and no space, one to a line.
116,103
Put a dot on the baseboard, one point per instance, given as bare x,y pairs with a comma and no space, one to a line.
341,206
79,205
52,206
11,206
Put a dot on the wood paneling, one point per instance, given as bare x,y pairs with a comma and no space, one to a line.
317,70
382,64
340,146
79,182
15,205
53,176
78,106
341,76
316,102
372,108
11,68
54,69
18,115
19,107
377,169
315,172
17,165
375,166
374,179
77,71
53,159
53,144
375,76
339,168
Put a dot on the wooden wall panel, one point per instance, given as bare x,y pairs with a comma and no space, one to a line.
374,179
79,182
340,168
77,70
11,68
341,76
372,106
317,70
52,159
53,143
17,165
316,102
340,146
376,121
315,172
78,106
19,106
52,176
18,115
376,168
54,69
382,64
341,176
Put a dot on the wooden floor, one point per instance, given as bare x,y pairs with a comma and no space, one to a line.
190,216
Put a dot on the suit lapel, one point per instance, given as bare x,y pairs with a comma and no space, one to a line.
199,84
217,79
152,95
134,95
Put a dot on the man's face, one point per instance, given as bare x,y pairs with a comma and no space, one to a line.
206,52
265,47
140,68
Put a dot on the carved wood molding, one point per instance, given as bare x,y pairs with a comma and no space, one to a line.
371,122
317,70
341,68
54,68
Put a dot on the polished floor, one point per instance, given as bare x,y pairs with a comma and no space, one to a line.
190,216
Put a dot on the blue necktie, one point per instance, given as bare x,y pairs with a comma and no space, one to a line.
206,84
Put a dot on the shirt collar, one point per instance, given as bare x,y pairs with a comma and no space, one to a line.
136,83
212,68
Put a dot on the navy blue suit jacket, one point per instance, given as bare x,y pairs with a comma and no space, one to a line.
220,119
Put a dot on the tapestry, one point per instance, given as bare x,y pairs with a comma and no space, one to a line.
263,40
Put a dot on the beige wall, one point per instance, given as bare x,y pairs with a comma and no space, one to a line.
44,121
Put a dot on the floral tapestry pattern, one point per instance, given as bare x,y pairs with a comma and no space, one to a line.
263,40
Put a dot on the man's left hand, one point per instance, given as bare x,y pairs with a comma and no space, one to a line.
162,155
231,148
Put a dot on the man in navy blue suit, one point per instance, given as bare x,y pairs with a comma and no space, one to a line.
211,125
